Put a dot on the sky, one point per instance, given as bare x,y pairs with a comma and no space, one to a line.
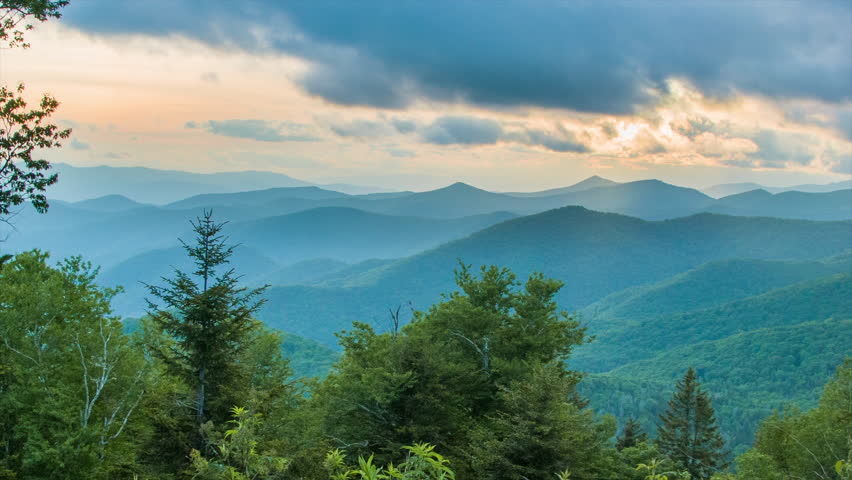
509,95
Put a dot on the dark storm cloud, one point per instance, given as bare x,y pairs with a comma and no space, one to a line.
603,57
260,130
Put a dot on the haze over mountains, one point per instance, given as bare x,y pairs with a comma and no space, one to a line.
662,275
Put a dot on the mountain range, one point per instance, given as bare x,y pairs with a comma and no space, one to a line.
726,189
148,185
663,276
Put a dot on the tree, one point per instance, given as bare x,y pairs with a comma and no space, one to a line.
22,131
71,380
15,17
631,436
490,356
210,319
537,431
688,433
806,445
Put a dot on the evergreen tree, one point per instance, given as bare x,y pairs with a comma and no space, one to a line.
210,319
689,434
631,436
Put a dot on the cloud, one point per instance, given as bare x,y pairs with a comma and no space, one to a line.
563,141
835,117
260,130
404,126
605,57
462,131
362,129
78,145
401,153
777,149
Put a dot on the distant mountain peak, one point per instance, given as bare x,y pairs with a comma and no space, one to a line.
458,187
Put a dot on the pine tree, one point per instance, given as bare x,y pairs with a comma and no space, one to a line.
210,319
631,436
689,434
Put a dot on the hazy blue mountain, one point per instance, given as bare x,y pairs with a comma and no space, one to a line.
596,254
587,184
107,203
306,271
255,197
150,266
650,199
158,187
836,205
352,235
727,189
356,189
711,284
102,237
129,246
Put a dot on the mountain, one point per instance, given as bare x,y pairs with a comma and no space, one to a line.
750,375
306,271
596,254
255,197
650,199
149,267
147,185
812,300
836,205
587,184
144,250
351,235
727,189
108,203
705,286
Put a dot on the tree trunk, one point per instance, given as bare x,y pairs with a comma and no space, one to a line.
199,396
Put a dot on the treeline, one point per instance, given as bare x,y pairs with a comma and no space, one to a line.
475,387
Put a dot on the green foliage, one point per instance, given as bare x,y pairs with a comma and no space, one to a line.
813,300
70,381
538,431
809,444
15,16
210,320
24,178
786,365
631,436
654,470
421,462
238,456
688,433
479,375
